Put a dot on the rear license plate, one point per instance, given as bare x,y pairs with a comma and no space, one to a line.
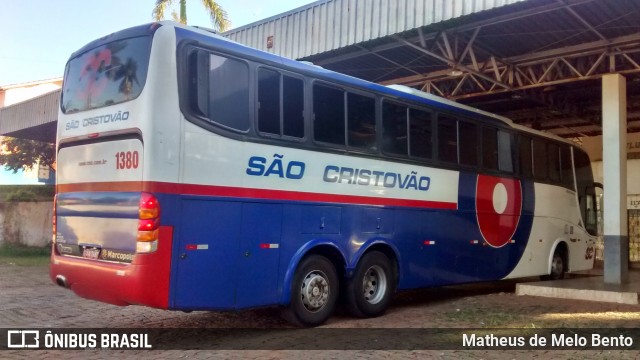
91,253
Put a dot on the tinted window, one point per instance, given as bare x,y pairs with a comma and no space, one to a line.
584,181
268,101
554,162
566,167
293,106
420,132
468,134
328,107
271,105
506,152
526,161
447,139
490,148
361,120
540,160
394,124
107,75
219,89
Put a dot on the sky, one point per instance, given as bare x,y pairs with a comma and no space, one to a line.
37,36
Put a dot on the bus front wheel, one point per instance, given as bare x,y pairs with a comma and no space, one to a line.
558,266
369,291
314,292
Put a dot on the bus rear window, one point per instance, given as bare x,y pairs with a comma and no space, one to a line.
106,75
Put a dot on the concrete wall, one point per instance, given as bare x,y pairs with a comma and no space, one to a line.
26,223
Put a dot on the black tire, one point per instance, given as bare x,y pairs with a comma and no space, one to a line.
314,292
369,291
558,266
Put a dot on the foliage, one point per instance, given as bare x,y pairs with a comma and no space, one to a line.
24,255
21,195
22,154
219,17
41,192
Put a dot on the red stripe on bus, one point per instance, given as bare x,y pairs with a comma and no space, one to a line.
249,193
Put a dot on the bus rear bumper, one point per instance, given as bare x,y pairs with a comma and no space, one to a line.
143,282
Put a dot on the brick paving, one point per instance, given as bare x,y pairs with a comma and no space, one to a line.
29,300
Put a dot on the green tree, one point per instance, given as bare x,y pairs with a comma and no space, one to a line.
22,154
218,14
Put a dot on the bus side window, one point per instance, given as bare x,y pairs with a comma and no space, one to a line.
586,191
506,152
219,89
566,167
468,143
540,160
447,139
420,134
490,148
554,162
394,125
292,106
328,107
228,92
525,159
361,121
280,115
198,83
268,101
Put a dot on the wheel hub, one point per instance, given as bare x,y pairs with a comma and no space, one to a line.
315,291
374,284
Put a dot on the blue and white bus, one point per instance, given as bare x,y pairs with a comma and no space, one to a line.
195,173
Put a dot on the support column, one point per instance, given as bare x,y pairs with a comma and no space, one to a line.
614,140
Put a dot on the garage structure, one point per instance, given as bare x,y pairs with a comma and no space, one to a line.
537,62
568,67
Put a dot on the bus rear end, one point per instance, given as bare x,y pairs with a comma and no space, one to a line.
108,243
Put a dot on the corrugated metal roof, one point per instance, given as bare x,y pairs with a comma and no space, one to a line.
333,24
41,110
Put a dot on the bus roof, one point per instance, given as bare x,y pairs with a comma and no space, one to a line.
393,91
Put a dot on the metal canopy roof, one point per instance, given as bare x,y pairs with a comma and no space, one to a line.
34,119
538,62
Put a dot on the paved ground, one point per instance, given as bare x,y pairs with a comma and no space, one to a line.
28,299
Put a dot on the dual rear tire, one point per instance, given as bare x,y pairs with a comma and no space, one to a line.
316,287
369,291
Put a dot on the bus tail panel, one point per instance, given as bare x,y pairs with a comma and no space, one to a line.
145,281
97,225
99,199
108,242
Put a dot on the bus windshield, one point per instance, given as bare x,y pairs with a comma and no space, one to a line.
106,75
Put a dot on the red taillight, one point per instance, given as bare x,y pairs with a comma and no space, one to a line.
148,223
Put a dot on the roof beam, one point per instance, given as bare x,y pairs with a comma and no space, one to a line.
452,63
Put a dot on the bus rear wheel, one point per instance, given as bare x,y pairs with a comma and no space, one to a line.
314,292
368,293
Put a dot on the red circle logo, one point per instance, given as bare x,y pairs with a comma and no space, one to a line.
498,208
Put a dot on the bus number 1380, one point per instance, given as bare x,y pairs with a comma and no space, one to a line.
127,160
